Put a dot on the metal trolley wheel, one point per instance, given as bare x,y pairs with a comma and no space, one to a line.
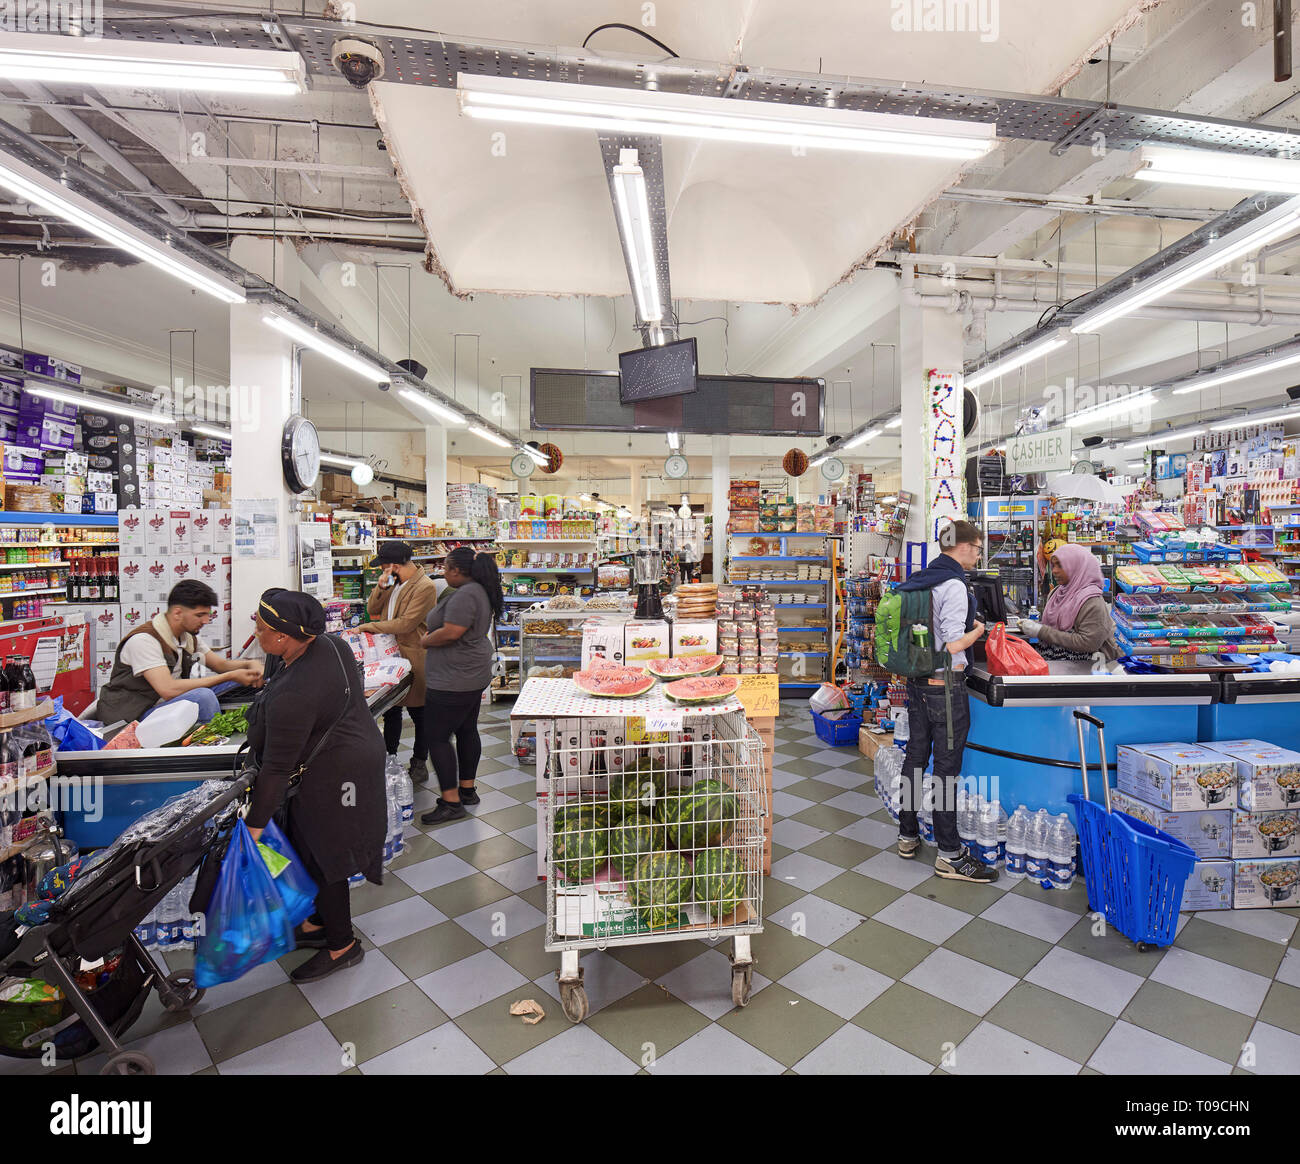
742,971
573,997
180,993
129,1063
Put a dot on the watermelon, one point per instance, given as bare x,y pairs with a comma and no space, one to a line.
660,878
638,789
703,689
719,880
662,917
580,846
705,816
611,681
684,666
632,840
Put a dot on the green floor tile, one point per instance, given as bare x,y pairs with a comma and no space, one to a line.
367,897
822,816
1090,1071
972,899
1110,947
817,791
779,851
1205,1026
1060,1024
796,750
784,1031
778,951
420,847
650,1016
467,894
1225,945
240,1026
840,851
918,1022
1282,1007
381,1023
655,959
535,895
526,954
1074,899
502,1036
882,815
863,895
493,852
509,820
778,894
419,954
883,948
994,945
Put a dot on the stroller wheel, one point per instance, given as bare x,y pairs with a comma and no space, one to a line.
129,1063
180,993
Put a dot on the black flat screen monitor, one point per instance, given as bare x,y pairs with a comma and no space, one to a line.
653,373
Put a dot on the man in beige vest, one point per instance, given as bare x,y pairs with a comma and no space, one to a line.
397,606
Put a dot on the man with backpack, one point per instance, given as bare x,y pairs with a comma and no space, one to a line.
923,629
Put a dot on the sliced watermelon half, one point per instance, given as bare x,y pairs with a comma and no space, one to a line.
610,681
684,666
703,689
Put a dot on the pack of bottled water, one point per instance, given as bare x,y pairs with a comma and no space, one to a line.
171,926
889,779
399,797
1041,847
925,812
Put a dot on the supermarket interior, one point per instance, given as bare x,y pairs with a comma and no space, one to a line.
591,539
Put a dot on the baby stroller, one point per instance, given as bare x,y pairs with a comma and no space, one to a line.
113,892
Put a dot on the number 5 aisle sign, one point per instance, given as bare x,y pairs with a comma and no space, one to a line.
945,451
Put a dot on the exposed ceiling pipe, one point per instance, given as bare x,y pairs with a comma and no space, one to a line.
107,151
1104,206
336,227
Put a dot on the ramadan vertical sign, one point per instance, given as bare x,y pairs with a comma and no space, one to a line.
945,451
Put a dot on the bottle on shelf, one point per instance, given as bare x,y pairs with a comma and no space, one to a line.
111,589
91,592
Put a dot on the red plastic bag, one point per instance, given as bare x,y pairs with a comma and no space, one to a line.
1012,655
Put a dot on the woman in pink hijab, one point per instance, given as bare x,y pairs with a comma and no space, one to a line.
1076,621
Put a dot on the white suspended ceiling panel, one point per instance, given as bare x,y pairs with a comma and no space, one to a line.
745,223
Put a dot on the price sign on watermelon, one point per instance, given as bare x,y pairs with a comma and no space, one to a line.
664,721
760,695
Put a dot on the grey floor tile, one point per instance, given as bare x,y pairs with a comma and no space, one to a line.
578,1051
395,921
803,871
715,1051
605,980
994,945
836,982
872,832
919,1023
1026,916
782,1024
794,834
427,950
509,918
1130,1050
853,1051
1282,1007
649,1015
241,1026
178,1050
969,984
1275,1051
705,983
521,873
489,802
1270,924
1188,1019
1098,985
784,804
926,919
367,897
472,981
1237,989
847,779
434,872
816,918
990,1050
385,1021
446,1051
782,779
374,975
855,802
863,895
527,836
1060,1024
259,978
462,833
1231,946
883,948
890,867
310,1050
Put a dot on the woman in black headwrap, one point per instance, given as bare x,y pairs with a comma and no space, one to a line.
313,714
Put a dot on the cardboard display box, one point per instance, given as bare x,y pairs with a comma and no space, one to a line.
869,742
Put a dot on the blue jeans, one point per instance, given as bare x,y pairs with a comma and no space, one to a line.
203,696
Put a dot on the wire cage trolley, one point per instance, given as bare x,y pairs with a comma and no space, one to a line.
651,835
94,919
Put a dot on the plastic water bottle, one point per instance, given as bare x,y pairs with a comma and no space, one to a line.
986,834
1017,843
967,830
1036,864
901,729
1060,853
963,798
1002,834
405,796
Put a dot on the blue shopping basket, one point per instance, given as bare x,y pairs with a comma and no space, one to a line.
1134,873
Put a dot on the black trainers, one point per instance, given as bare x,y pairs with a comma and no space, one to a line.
419,772
468,795
320,964
908,847
308,939
444,811
964,867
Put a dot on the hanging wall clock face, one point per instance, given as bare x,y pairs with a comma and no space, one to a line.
522,465
300,454
832,469
676,467
1084,468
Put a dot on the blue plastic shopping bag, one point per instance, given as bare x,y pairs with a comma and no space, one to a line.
297,889
246,923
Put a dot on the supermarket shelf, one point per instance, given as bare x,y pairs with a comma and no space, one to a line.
799,605
784,558
545,541
342,572
15,517
547,570
12,719
809,629
53,545
802,654
781,582
29,593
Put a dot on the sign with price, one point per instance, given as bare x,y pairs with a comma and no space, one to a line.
760,695
664,721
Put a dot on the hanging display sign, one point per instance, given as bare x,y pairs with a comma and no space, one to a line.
945,451
1039,452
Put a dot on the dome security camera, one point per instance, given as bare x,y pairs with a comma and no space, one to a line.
359,61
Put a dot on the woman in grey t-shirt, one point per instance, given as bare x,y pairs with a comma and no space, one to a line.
457,670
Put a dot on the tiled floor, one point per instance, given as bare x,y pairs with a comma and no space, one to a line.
867,964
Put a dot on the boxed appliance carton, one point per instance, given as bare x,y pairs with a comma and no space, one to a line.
133,577
689,753
695,638
203,531
134,614
1273,833
560,769
1268,777
601,642
643,743
218,632
608,733
181,533
645,639
157,532
1207,832
1176,777
1209,886
105,622
1265,883
102,668
208,569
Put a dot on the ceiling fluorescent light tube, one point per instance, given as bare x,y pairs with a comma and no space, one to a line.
431,406
100,403
206,430
1284,219
1159,437
131,64
897,422
1199,383
1216,170
674,441
49,196
488,435
538,457
1247,419
335,459
1017,358
642,111
633,206
861,438
309,337
1109,409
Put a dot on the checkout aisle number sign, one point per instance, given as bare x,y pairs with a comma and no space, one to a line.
1039,452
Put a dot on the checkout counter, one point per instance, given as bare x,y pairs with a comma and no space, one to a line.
121,785
1023,746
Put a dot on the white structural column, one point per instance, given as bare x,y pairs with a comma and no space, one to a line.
721,485
261,372
928,338
435,472
636,489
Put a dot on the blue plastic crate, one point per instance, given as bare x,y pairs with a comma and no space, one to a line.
837,732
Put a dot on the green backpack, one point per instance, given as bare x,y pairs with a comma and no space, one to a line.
904,641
